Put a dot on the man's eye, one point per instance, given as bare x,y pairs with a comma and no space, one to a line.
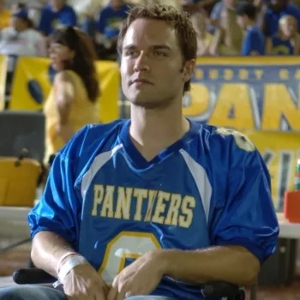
159,53
130,53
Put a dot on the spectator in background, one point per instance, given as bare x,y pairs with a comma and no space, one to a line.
20,39
276,10
204,38
261,9
108,26
286,40
228,36
214,19
4,15
254,40
34,10
55,15
86,12
175,3
72,102
193,6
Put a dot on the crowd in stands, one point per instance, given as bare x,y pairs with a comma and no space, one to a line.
224,27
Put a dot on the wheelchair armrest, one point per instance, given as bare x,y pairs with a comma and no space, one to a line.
32,276
220,289
209,289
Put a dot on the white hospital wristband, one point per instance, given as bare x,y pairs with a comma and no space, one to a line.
69,265
71,253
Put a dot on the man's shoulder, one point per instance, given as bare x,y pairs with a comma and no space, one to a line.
91,137
226,142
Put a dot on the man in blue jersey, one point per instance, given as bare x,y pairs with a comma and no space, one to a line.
149,207
56,14
254,40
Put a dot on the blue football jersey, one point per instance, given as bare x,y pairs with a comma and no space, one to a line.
209,188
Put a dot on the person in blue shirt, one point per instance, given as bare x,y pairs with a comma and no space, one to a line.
254,40
108,26
156,204
276,10
55,14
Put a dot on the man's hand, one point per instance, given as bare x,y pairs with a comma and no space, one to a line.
139,278
84,283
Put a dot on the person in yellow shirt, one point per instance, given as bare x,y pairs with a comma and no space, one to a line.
73,99
5,15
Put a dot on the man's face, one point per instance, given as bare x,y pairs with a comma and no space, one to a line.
152,68
289,27
116,3
16,23
57,4
241,20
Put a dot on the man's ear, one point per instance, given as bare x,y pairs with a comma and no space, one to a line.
188,69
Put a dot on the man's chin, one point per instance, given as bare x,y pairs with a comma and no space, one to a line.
149,103
144,103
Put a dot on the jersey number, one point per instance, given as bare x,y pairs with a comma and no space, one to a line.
125,245
241,140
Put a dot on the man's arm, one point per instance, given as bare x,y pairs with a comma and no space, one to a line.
54,220
47,250
234,264
55,228
244,227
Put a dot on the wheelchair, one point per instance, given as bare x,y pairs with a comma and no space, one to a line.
209,289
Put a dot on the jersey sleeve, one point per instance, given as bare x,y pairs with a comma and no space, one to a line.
247,216
59,208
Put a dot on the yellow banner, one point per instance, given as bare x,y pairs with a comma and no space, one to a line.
259,97
3,64
32,84
279,151
259,94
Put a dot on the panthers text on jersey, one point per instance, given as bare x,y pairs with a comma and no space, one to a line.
209,188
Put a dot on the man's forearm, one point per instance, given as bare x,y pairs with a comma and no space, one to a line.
234,264
47,250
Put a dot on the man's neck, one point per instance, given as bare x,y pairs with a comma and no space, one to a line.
250,24
153,130
21,29
57,8
116,7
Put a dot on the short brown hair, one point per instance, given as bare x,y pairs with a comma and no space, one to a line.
178,20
